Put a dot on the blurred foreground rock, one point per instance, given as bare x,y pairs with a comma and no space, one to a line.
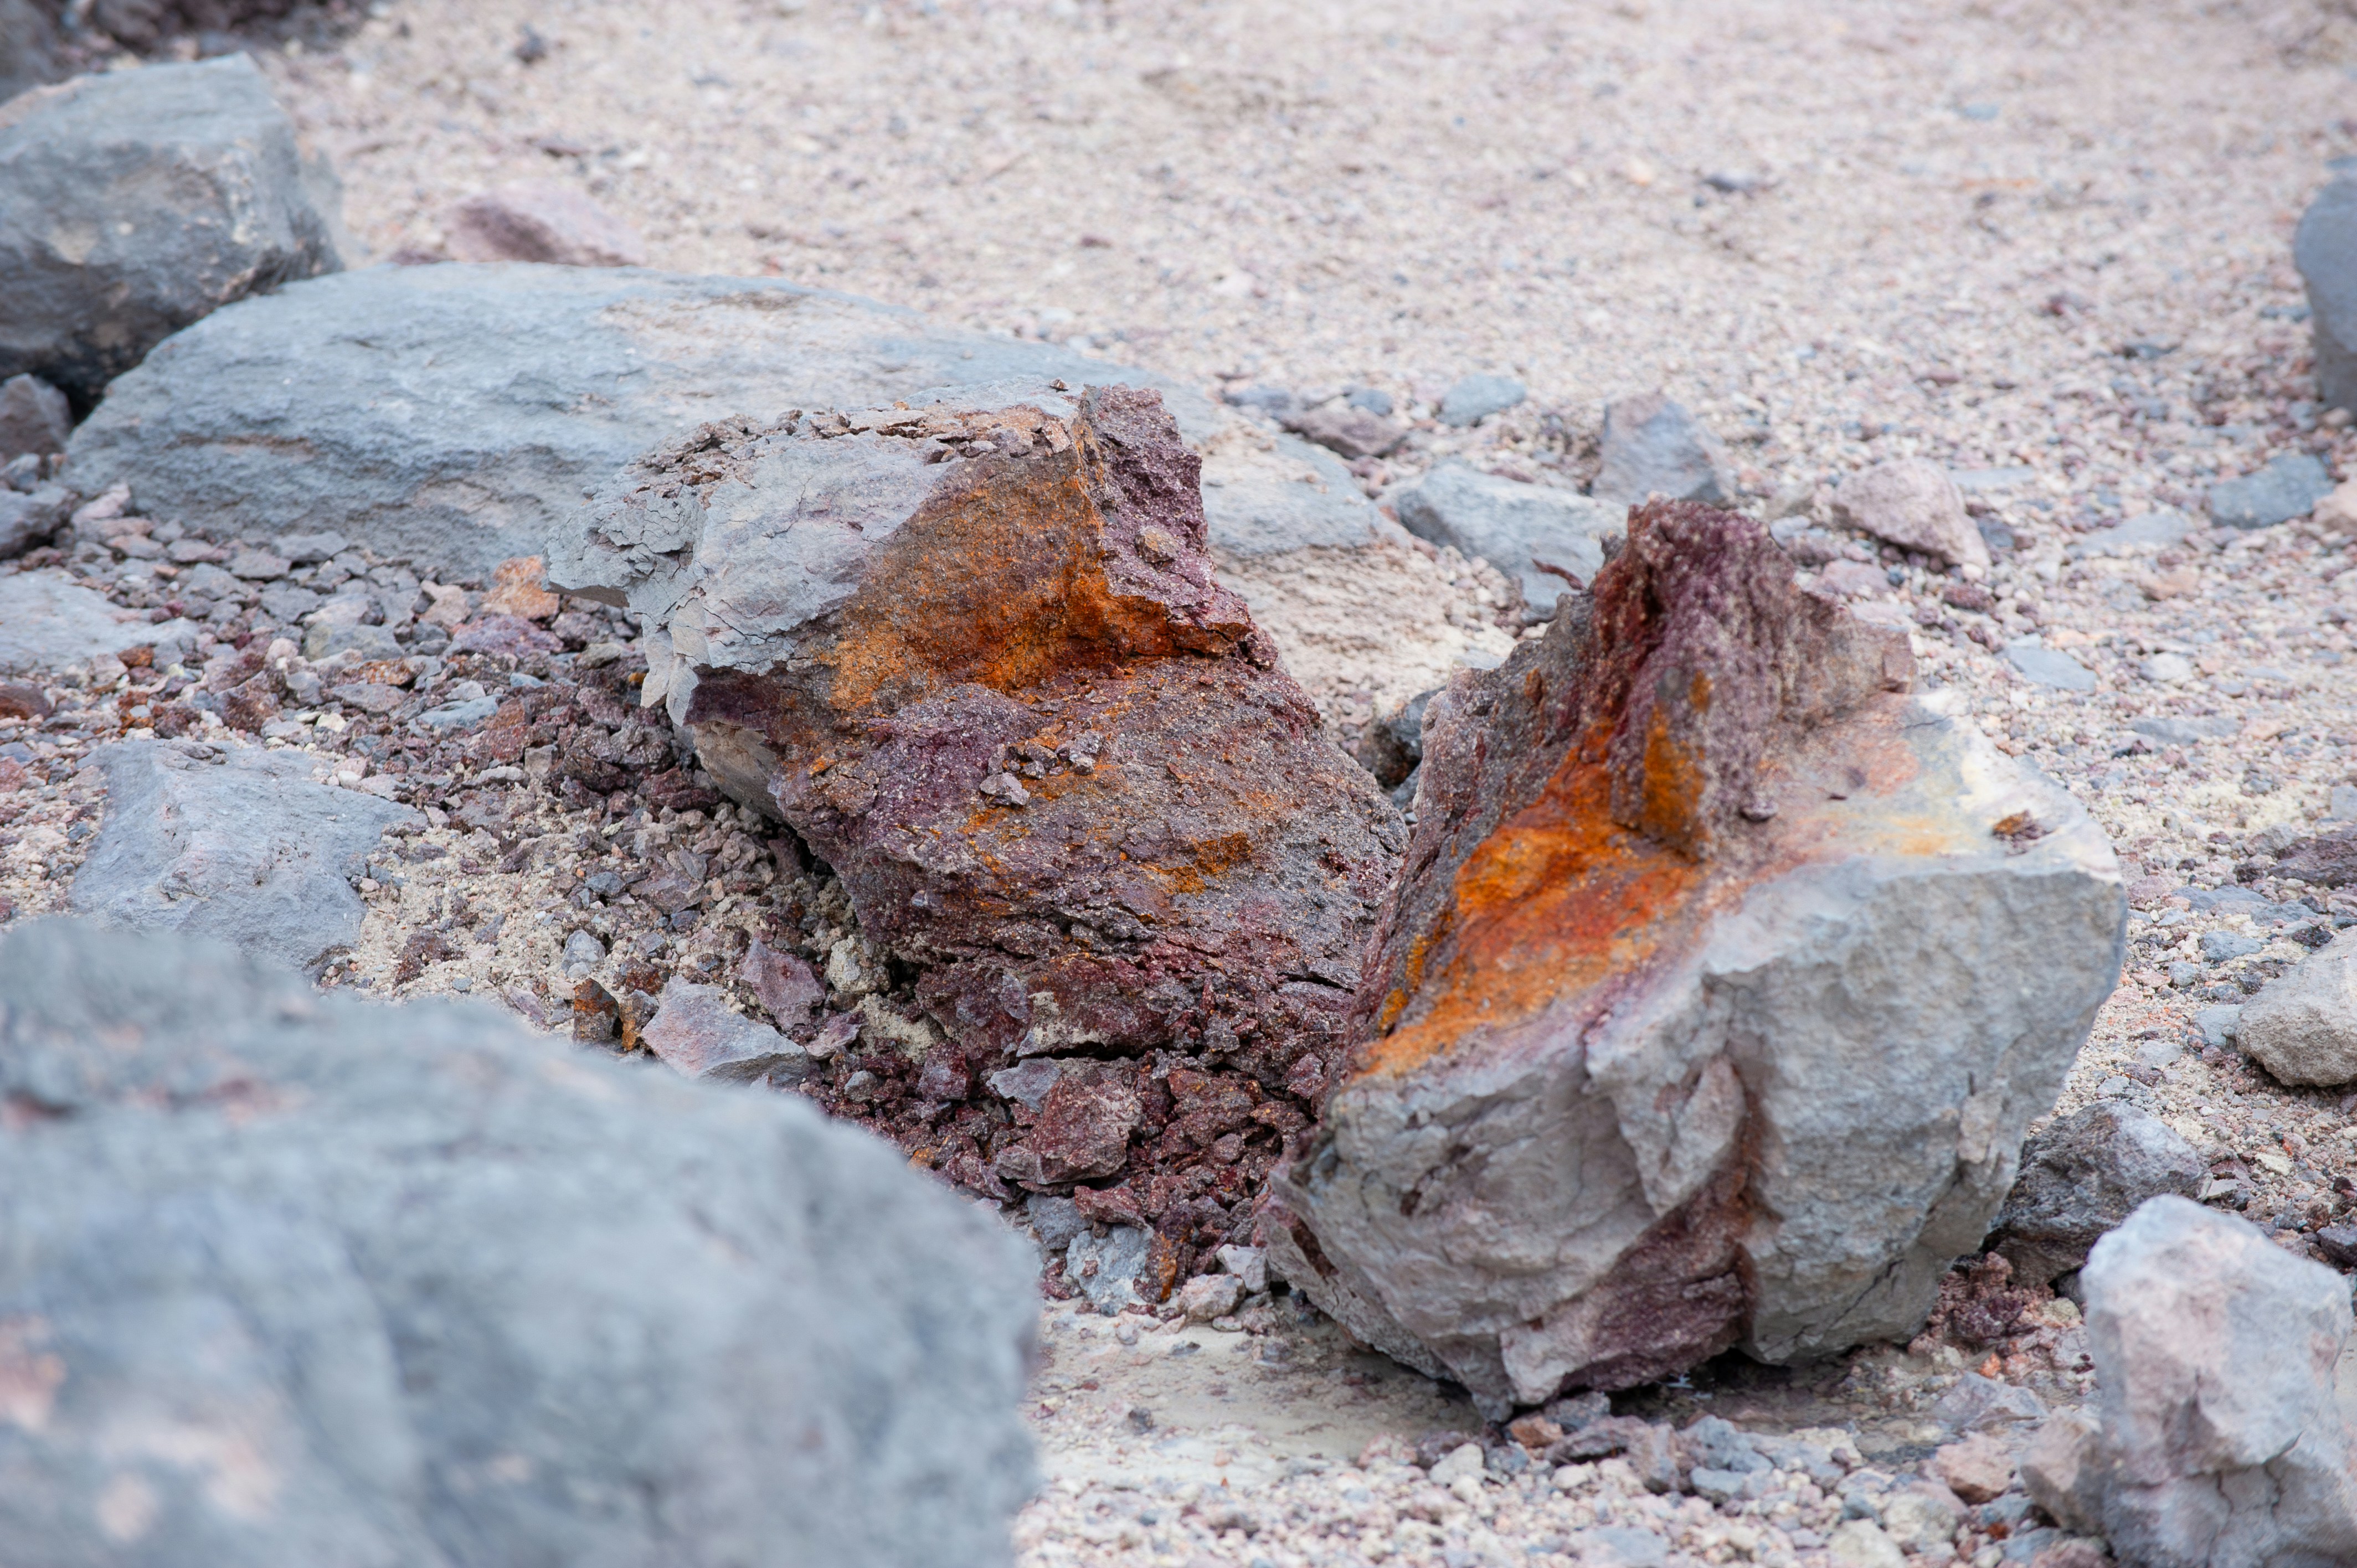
2220,1444
978,657
2325,251
451,416
140,201
294,1280
1717,988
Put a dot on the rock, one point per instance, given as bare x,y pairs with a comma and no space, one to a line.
1513,525
2328,860
695,1034
2214,1352
1392,747
2061,1471
29,519
139,202
1619,1546
1343,428
1473,399
2303,1027
1672,1037
2325,248
1976,1403
1913,503
301,1278
1977,1469
49,622
1206,1296
1653,447
2157,529
533,221
2184,732
28,42
1056,1222
583,946
235,845
2217,947
1107,1269
33,416
2047,666
517,589
1249,1264
2288,487
1463,1462
2218,1024
1922,1516
1860,1544
496,435
2081,1177
783,984
978,660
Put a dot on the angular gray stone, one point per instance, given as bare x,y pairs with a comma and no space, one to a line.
2288,487
1913,503
1977,1403
49,622
695,1034
295,1279
449,416
2222,1443
236,844
2082,1176
2325,251
2303,1027
1473,399
2185,732
1676,1034
1105,1268
2158,530
28,520
1512,525
140,201
33,417
2048,666
1653,447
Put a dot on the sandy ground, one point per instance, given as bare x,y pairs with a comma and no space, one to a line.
2043,243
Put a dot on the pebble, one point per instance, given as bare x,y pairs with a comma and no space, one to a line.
1475,397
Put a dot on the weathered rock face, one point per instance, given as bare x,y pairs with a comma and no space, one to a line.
2081,1177
241,846
295,1279
978,658
2222,1445
140,201
1716,990
451,416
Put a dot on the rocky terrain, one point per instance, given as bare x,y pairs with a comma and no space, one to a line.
425,630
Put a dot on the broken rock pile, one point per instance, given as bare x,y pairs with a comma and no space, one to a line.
1112,883
1718,987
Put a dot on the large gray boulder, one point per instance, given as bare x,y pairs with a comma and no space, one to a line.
235,844
2222,1445
452,414
139,201
2326,250
2081,1176
294,1279
1719,985
1513,526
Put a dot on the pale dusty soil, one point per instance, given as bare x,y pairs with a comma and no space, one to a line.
2034,236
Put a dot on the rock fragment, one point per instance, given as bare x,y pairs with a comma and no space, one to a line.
1474,398
323,1279
978,658
695,1034
33,417
139,202
533,221
1652,446
1342,427
2303,1027
49,622
1911,503
2084,1175
236,844
1689,936
2221,1443
2286,488
27,519
1534,534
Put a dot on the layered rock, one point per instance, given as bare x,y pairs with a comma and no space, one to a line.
978,657
295,1279
1718,986
140,201
450,415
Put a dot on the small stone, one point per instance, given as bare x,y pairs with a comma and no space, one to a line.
2081,1177
2303,1026
2218,1024
2060,1469
598,655
310,549
1922,1516
2184,732
1977,1402
695,1034
2168,668
1249,1264
1652,446
33,417
787,988
1475,397
1465,1459
1206,1296
1342,427
1521,529
2217,947
2288,487
582,947
369,696
463,715
533,221
2047,666
1106,1268
1861,1543
518,589
1977,1469
29,517
1913,503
